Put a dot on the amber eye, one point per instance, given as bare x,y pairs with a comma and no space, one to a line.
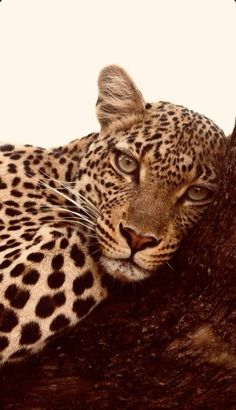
126,163
198,193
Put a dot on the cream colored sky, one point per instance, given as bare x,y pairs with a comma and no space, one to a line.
51,52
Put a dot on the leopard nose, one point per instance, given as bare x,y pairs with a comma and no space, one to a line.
136,241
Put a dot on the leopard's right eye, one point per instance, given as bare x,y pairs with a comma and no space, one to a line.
125,163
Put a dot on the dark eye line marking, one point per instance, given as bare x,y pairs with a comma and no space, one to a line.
199,171
205,174
122,150
203,178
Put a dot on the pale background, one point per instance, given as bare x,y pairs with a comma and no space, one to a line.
51,52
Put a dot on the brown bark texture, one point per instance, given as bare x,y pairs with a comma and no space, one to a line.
168,343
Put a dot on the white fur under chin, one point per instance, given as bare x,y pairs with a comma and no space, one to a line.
124,269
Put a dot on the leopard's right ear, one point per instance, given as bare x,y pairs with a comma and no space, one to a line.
118,96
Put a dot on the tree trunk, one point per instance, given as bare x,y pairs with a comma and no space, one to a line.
168,343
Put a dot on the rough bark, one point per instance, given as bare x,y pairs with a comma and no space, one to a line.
168,343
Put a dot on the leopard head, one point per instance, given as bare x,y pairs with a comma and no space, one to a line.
151,172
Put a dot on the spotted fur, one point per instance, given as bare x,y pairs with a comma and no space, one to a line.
70,214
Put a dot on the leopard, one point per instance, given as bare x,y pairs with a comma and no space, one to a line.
116,203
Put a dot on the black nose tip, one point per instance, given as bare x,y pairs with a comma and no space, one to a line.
136,241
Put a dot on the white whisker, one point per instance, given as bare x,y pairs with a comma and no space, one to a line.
90,205
67,221
65,197
73,221
93,253
94,242
81,220
170,266
89,213
61,209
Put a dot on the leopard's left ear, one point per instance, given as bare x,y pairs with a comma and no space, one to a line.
118,96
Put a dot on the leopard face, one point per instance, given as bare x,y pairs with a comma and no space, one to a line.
151,173
130,194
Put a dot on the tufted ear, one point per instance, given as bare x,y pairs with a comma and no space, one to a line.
118,96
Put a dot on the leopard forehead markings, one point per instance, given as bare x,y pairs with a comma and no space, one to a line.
72,215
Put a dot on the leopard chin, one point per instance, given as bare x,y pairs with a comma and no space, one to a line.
124,269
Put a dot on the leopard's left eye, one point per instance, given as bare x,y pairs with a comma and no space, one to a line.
198,193
126,163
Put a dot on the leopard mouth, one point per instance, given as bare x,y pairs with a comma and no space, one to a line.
124,269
